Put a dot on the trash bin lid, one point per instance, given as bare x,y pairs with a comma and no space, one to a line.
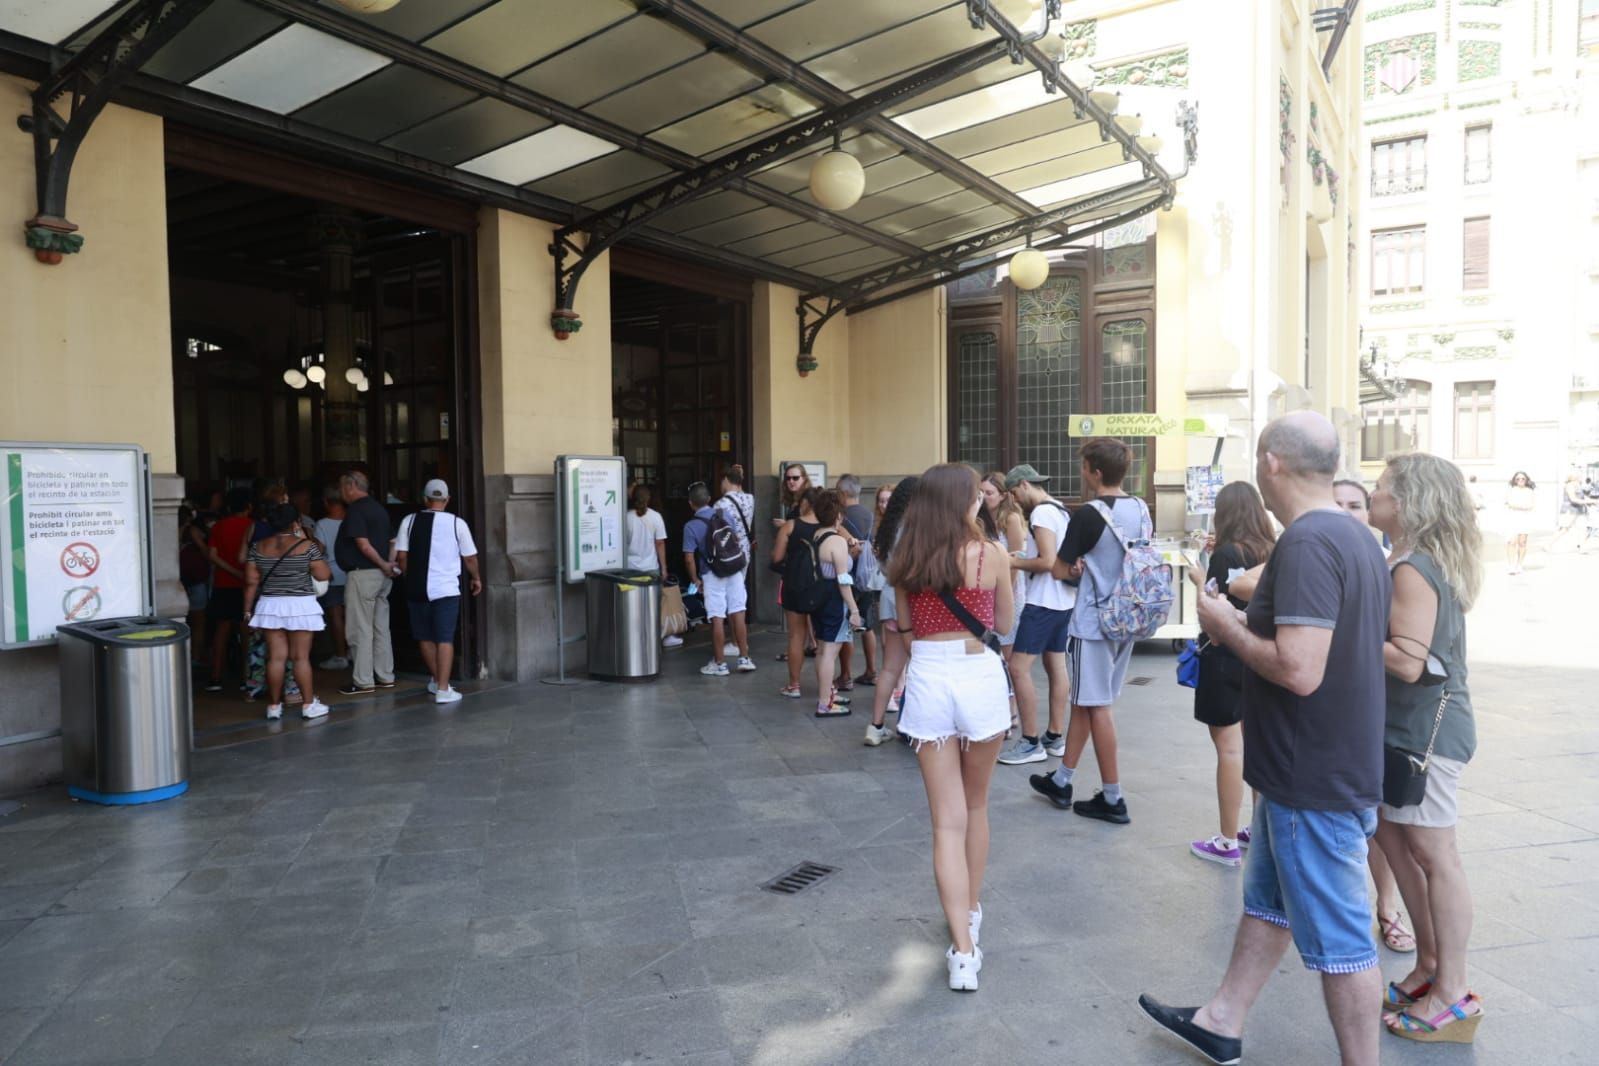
142,631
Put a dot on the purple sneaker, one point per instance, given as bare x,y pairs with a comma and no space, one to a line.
1243,837
1213,850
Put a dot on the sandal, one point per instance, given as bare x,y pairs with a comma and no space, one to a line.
845,685
1452,1026
834,711
1395,935
868,679
1396,999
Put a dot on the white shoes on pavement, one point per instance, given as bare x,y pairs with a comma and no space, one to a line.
878,734
963,969
672,641
314,709
447,695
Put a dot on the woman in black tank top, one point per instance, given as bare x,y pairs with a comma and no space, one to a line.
800,642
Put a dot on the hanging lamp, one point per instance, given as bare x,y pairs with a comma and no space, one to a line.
837,178
1029,268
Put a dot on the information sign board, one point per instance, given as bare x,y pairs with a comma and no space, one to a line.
591,502
74,537
1201,485
1143,424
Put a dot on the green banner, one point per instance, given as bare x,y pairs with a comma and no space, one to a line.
19,548
1144,424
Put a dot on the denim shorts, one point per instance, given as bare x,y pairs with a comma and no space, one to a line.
1041,630
1307,873
954,689
434,620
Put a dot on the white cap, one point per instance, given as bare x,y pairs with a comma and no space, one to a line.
435,490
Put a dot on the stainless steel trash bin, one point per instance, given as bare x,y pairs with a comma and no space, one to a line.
624,625
127,719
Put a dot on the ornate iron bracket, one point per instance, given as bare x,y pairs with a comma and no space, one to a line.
955,259
610,225
89,78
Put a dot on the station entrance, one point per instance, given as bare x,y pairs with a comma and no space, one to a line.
318,327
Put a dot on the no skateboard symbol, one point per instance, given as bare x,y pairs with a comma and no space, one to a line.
80,559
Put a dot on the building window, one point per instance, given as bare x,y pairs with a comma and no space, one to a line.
1474,420
1049,372
1398,260
977,432
1124,386
1474,254
1400,425
1479,154
1399,166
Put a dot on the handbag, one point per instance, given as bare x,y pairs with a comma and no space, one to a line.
1188,664
1404,776
674,615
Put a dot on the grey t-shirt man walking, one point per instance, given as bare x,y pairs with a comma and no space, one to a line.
1311,642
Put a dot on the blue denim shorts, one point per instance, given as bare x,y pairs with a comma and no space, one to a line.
434,620
1307,873
1041,630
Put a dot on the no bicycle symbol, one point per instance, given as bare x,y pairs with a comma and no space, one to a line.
80,559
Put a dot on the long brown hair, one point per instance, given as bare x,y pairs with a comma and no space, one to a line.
791,497
1241,521
938,525
1007,503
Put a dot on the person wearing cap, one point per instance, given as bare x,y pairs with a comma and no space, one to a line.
433,545
1046,613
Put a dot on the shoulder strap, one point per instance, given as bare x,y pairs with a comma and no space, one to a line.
274,567
1110,522
748,533
987,636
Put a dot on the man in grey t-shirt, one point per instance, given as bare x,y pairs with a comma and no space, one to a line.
858,521
1311,642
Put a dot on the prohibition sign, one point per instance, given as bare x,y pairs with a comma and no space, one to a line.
80,559
80,604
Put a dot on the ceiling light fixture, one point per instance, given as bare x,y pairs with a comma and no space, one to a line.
367,7
837,178
1029,268
355,376
293,378
316,373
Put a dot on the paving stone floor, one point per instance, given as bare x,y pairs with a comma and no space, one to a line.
569,876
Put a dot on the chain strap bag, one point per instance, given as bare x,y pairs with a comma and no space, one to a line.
1404,774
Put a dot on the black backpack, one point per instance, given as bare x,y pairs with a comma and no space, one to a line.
804,587
724,554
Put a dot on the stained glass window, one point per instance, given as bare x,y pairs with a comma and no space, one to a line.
1049,367
1124,386
977,391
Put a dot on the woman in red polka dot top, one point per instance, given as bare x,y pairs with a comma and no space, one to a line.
955,687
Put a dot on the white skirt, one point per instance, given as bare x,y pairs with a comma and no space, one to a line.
300,614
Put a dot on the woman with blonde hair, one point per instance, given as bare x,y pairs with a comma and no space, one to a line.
954,588
1012,534
1423,504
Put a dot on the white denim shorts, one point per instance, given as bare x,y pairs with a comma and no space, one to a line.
951,692
724,596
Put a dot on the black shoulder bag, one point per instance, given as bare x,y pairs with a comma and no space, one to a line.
1404,774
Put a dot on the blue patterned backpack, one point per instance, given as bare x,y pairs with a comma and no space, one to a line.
1141,599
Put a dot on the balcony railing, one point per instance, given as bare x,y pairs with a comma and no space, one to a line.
1397,184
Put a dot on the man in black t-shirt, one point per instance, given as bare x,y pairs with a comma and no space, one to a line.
1311,642
362,552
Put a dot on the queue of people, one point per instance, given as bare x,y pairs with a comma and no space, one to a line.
263,577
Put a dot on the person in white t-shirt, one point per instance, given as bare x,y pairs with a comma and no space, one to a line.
1041,630
327,531
432,546
644,535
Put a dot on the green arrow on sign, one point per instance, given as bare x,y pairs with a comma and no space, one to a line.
610,497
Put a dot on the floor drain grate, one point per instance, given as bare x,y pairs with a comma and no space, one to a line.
799,878
1139,680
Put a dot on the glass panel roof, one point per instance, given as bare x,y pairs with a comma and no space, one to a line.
602,180
380,106
497,38
50,20
628,52
913,45
677,92
290,69
545,152
824,25
806,253
467,131
739,119
221,31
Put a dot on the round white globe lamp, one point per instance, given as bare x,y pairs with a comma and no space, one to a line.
293,378
1029,268
355,375
367,7
837,180
316,372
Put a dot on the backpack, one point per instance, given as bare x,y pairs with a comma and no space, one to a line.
804,587
1141,599
724,553
866,571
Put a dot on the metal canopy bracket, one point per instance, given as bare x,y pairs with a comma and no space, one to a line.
608,226
90,77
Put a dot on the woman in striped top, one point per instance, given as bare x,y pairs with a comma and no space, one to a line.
281,603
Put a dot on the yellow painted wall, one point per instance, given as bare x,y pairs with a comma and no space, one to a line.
542,397
899,385
87,352
795,417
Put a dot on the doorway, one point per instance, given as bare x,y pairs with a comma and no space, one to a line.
312,337
679,384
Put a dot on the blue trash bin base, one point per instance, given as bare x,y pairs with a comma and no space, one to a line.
126,799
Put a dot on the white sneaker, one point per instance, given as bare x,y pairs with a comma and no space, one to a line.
672,641
878,734
447,695
975,923
314,709
730,650
714,669
746,665
963,969
334,662
274,712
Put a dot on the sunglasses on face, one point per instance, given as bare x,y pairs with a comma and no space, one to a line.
794,477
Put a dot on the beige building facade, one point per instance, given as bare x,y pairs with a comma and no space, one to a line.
1481,145
198,315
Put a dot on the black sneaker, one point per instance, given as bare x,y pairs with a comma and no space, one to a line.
1179,1021
1059,795
1104,811
356,690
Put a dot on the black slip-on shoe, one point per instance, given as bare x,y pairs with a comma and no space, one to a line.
1105,812
356,690
1059,795
1179,1021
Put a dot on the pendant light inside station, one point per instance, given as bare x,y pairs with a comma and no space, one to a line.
367,7
294,378
837,179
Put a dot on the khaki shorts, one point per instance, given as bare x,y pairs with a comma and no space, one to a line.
1440,805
